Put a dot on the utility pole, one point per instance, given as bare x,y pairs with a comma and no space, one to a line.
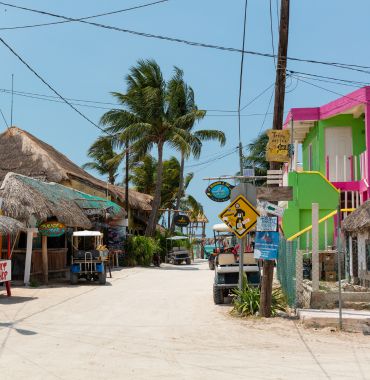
241,241
268,265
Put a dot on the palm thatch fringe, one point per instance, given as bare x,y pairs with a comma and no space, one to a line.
10,225
136,200
358,220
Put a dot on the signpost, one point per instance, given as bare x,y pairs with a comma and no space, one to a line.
277,149
5,270
275,194
266,245
270,208
219,191
267,223
181,220
240,216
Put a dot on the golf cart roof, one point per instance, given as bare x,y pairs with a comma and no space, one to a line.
220,227
87,233
177,238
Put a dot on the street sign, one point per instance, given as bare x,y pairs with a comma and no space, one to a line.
267,223
5,270
270,208
275,194
277,149
219,191
266,245
240,216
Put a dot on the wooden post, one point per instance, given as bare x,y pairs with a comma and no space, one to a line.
1,246
45,267
315,247
268,265
27,268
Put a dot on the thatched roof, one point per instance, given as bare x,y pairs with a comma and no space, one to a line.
358,220
24,197
136,200
200,218
23,153
9,225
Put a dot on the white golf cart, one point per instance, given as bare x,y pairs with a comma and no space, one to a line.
227,274
221,235
177,255
89,256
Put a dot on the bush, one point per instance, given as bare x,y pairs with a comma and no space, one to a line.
246,302
140,250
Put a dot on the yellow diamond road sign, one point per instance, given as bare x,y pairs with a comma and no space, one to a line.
240,216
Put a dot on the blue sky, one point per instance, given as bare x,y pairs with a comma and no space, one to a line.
85,62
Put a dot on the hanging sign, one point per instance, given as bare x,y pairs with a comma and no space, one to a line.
277,149
266,245
267,223
219,191
5,270
181,220
52,229
240,216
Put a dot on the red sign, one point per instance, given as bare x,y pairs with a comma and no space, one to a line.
5,270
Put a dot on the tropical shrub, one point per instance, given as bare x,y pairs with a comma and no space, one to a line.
246,302
140,250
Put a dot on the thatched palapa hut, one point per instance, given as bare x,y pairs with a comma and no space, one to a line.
25,154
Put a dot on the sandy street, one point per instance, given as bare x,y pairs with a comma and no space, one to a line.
161,324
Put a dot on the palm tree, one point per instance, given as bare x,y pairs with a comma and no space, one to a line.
144,123
143,174
256,157
184,111
105,160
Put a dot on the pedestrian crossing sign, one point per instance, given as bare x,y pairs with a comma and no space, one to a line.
240,216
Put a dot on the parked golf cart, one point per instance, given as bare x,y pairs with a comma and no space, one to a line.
177,255
227,274
89,256
220,233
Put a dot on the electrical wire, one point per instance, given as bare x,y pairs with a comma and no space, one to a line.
50,87
354,67
6,123
85,18
272,32
258,96
267,112
220,156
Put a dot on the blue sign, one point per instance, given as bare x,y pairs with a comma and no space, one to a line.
219,191
266,245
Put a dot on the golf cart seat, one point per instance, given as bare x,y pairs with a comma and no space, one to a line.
248,259
226,259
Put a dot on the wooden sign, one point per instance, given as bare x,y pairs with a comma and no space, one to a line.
275,194
181,220
277,149
52,229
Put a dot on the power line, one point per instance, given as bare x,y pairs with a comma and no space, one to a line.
6,123
359,68
49,86
258,96
266,113
272,32
85,18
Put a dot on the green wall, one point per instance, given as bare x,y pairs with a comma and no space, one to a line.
316,137
309,188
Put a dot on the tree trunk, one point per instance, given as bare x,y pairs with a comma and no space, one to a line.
180,192
152,222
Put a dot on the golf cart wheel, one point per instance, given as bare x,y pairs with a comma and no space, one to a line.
218,295
188,261
102,278
74,278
